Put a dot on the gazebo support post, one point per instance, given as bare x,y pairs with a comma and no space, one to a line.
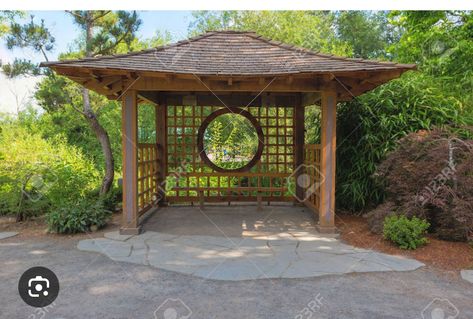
161,141
299,147
327,162
130,224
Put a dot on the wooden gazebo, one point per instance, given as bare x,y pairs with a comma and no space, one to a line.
192,82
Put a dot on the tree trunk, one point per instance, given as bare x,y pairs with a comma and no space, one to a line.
91,118
104,140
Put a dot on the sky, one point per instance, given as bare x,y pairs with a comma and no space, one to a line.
16,94
65,31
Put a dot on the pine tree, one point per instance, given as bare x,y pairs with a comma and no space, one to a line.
105,32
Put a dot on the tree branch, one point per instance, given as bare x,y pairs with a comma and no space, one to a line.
44,53
117,42
75,14
78,110
101,16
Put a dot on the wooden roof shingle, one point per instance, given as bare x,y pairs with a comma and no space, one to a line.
230,53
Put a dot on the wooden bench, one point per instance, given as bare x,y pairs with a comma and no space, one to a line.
259,192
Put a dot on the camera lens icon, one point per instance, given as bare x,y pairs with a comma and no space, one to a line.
38,287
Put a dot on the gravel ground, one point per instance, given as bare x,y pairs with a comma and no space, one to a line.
93,286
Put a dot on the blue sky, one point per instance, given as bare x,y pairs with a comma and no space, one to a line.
61,26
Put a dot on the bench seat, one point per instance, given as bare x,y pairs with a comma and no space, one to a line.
259,191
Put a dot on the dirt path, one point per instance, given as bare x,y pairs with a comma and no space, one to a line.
93,286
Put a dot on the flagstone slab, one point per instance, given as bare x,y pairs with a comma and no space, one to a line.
7,234
235,258
111,248
467,275
115,235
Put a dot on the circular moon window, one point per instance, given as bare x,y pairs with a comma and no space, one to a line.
230,140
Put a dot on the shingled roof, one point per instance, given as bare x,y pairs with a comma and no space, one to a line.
230,53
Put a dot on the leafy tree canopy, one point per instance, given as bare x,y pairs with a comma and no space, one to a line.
367,33
308,29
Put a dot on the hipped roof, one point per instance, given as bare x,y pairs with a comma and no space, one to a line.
230,53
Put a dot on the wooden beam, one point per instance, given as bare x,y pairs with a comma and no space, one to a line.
328,77
110,80
145,99
310,98
228,99
228,198
86,72
169,78
130,163
116,87
356,82
95,74
189,100
350,94
150,96
299,148
101,85
327,162
381,77
132,75
206,85
161,141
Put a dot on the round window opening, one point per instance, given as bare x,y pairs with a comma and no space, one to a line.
230,140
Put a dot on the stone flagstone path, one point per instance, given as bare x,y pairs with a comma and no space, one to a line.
467,275
8,234
285,255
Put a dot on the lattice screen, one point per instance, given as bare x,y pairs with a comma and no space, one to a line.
312,169
147,172
185,168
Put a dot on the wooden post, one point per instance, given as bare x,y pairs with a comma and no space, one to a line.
130,160
201,199
161,141
327,162
299,148
259,199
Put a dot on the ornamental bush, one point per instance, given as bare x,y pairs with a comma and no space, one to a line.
37,175
404,232
369,127
78,216
429,175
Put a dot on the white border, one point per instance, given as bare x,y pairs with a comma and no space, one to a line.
239,5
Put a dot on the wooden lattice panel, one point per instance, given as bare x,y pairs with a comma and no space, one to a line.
147,174
312,169
185,169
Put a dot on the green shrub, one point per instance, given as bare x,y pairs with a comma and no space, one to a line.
78,216
369,126
38,174
109,200
113,198
406,233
